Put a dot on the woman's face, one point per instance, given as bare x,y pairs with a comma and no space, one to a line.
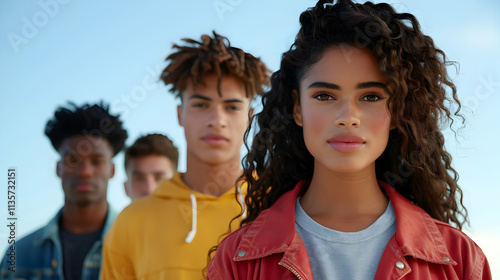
343,110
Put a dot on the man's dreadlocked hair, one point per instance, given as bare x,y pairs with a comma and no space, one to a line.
214,56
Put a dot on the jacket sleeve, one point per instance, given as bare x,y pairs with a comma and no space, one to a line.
481,270
116,262
222,266
216,265
470,257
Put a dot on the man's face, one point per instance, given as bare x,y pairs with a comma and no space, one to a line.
144,173
214,125
85,168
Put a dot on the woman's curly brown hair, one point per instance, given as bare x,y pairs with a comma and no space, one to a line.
415,162
214,55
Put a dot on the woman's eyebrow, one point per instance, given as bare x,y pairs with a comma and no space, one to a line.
371,84
362,85
324,85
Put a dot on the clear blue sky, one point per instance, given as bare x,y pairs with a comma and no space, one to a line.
54,51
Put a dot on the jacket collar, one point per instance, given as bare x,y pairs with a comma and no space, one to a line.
261,239
416,232
51,230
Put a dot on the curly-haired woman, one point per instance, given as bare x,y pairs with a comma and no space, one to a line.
348,176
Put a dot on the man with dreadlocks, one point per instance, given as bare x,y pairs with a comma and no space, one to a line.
168,234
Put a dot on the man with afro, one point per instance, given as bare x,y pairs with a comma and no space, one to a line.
69,246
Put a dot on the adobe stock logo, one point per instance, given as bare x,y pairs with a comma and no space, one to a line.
223,6
483,90
32,25
139,93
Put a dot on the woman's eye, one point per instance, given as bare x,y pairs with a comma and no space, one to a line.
323,97
372,97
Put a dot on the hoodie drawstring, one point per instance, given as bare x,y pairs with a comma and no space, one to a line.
194,210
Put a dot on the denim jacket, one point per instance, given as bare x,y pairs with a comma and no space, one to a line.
39,255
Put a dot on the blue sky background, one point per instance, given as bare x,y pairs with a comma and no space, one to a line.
54,51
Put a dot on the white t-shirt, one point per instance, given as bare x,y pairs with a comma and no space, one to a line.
345,255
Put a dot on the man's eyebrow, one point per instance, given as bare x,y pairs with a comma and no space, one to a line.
67,153
200,97
233,100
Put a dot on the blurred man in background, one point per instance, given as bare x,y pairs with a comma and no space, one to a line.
151,159
69,246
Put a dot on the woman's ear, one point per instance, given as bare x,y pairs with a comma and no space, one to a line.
297,115
393,125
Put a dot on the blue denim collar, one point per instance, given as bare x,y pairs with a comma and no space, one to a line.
51,230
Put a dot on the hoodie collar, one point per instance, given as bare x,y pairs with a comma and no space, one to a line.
416,232
176,188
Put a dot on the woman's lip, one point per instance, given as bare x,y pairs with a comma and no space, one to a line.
346,138
345,147
346,143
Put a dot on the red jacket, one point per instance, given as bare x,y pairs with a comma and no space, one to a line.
421,248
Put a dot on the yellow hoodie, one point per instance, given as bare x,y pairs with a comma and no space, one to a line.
158,237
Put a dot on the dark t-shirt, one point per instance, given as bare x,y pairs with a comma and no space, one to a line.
74,248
